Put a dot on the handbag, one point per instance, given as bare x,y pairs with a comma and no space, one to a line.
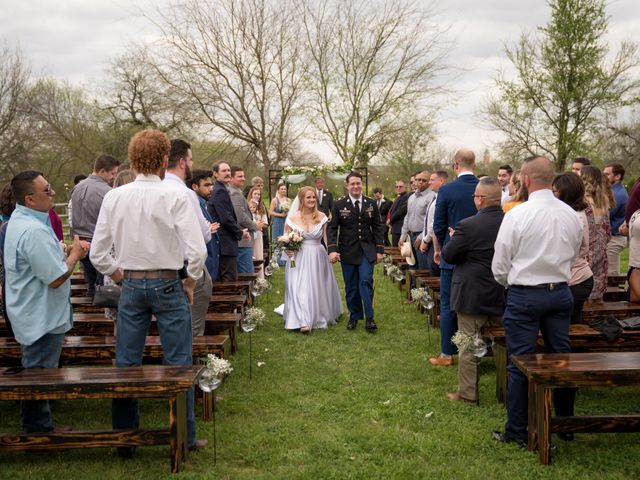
106,296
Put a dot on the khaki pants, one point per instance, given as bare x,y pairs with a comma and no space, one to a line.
201,299
614,247
467,363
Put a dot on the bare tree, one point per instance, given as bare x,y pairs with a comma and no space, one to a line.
15,139
239,65
371,61
136,95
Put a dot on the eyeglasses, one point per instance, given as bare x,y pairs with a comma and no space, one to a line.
479,196
48,191
399,186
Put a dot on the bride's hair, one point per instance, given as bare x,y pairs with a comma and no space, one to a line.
315,215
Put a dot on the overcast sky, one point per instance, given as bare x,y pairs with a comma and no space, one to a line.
74,40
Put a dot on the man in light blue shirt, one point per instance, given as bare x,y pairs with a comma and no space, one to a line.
37,285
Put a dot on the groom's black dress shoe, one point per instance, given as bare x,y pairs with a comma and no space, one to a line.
352,324
370,325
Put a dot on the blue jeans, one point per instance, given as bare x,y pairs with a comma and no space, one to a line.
358,285
44,353
422,260
245,260
448,317
528,311
139,300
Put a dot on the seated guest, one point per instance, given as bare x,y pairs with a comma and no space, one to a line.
37,285
569,188
476,297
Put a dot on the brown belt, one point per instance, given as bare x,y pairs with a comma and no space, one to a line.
150,274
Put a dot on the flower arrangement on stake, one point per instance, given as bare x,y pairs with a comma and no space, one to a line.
260,286
290,241
253,316
474,345
395,272
211,376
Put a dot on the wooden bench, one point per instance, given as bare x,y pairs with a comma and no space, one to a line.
616,280
575,370
615,294
619,310
227,303
171,382
583,339
91,350
244,276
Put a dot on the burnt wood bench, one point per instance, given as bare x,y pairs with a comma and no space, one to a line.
615,294
243,276
616,280
227,303
546,371
92,350
619,310
583,339
171,382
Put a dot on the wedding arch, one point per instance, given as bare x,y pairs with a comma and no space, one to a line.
295,175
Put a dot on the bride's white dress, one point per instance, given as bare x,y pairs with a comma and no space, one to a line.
311,296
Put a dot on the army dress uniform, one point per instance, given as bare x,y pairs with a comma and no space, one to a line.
356,232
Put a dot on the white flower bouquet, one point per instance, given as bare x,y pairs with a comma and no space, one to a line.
290,241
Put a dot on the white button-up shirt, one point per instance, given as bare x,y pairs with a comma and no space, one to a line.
427,233
145,222
537,242
174,181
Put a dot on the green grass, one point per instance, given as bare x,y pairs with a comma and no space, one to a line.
337,404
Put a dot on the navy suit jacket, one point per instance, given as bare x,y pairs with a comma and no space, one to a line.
454,203
221,210
397,213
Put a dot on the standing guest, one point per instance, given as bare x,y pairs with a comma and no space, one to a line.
258,182
37,285
384,205
259,213
146,222
536,246
180,168
355,239
413,224
397,212
633,203
7,206
454,203
245,220
517,192
578,163
569,188
633,276
324,197
76,180
427,245
202,185
278,209
615,173
598,194
476,297
504,177
222,212
255,182
56,224
86,201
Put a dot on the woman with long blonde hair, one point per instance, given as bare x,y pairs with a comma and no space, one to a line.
254,199
599,195
311,298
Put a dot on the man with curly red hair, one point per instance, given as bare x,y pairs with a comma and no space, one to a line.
145,222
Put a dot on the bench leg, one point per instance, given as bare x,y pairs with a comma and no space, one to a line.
532,423
543,407
178,430
500,359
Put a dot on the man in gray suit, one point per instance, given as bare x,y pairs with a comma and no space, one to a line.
245,220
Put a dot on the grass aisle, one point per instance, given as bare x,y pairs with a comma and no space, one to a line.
344,404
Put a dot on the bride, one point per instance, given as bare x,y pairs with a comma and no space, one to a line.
311,297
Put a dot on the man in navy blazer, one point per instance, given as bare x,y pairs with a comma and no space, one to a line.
454,203
397,212
221,210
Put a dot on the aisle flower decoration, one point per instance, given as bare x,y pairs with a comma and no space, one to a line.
395,272
474,345
254,316
260,286
215,369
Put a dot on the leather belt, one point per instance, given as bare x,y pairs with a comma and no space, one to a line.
150,274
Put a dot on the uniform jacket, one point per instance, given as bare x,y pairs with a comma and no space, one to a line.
351,234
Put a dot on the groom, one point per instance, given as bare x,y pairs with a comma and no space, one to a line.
355,237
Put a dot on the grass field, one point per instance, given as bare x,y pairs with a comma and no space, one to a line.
340,404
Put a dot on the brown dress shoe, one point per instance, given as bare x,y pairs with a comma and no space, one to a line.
455,396
441,361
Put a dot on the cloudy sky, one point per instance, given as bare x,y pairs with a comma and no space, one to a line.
74,40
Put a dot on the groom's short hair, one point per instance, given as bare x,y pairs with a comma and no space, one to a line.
353,174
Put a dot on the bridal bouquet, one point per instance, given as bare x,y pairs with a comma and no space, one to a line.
284,207
292,241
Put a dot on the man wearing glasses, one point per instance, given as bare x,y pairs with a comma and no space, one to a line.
397,212
37,285
413,224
